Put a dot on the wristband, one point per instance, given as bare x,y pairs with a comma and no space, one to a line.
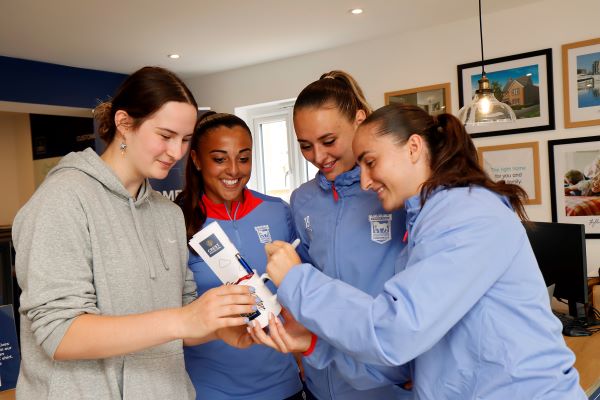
313,344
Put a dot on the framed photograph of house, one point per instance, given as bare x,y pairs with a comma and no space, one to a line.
581,83
517,163
523,81
575,182
435,99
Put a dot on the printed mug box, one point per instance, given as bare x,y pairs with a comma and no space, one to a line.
213,245
9,349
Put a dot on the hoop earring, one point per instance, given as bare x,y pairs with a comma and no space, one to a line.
123,147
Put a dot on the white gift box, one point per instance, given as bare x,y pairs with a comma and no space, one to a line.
213,245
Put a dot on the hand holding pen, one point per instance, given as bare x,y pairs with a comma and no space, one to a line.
281,257
246,266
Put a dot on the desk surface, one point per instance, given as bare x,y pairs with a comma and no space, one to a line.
587,351
587,362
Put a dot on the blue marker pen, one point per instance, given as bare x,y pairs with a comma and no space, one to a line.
244,264
247,268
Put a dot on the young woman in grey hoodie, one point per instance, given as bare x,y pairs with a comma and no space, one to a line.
107,297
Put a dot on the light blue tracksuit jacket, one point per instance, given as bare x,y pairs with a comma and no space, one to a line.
347,235
467,307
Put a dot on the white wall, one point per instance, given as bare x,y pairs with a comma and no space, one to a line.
428,57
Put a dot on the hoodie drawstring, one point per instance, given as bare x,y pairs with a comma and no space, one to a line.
157,239
141,238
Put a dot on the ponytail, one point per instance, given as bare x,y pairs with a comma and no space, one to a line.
335,88
453,156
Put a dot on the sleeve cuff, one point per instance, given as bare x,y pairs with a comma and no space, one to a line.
289,285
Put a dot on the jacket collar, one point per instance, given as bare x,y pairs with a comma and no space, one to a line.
239,209
343,180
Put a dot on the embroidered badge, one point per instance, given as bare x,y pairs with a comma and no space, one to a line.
381,227
264,234
307,224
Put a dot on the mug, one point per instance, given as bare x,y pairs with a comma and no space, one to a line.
268,301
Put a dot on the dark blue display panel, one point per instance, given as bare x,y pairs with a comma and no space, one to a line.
26,81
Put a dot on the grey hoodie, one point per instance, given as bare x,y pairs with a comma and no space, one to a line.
84,245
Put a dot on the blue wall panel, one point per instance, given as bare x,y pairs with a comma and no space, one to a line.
26,81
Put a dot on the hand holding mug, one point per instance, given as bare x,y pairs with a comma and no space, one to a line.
217,308
291,337
266,302
235,336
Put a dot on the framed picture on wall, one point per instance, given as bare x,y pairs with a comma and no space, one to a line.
575,182
581,83
517,163
523,81
435,99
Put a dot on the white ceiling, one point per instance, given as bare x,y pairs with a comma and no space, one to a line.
211,36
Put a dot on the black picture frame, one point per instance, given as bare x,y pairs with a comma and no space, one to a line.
507,69
574,154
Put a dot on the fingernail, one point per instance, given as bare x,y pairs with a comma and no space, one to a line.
248,329
246,320
257,300
252,290
271,315
254,308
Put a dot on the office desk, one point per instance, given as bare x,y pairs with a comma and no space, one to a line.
586,348
587,362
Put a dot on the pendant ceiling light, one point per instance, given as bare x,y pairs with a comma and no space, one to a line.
485,107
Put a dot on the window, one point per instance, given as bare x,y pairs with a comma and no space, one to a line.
515,92
277,164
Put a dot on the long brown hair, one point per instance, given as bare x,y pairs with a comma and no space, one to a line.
453,156
141,95
337,88
190,197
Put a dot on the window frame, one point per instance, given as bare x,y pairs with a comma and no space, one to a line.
258,114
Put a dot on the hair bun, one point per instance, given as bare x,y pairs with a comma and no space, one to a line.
102,116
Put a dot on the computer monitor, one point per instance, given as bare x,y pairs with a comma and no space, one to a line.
560,253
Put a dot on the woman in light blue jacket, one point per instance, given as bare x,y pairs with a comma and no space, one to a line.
467,307
344,231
